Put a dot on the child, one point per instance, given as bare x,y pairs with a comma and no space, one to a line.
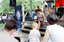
34,33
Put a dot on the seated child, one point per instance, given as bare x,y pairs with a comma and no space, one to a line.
34,33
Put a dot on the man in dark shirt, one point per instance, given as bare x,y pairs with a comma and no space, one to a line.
60,10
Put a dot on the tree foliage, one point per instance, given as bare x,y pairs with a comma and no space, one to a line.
5,5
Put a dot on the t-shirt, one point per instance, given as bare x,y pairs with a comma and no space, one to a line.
56,33
41,17
34,14
4,17
5,37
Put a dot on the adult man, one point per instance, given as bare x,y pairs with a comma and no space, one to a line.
5,35
60,10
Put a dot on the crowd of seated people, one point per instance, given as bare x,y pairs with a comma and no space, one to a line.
5,17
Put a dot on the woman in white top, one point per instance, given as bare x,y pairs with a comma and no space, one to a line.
54,32
34,35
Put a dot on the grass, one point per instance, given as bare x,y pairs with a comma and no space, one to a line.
2,24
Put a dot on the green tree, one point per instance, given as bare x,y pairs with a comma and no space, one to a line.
7,8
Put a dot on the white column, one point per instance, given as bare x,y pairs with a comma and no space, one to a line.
31,6
23,20
23,10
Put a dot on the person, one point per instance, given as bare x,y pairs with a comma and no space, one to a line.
60,10
34,17
34,33
46,12
54,31
38,8
8,17
5,34
41,18
4,18
52,10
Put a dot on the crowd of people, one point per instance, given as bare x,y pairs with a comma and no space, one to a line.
54,32
4,18
42,16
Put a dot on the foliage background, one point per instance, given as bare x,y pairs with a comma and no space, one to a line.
5,5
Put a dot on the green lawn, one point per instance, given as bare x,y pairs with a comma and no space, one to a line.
2,24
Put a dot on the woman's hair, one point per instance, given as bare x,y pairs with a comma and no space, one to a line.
34,25
52,19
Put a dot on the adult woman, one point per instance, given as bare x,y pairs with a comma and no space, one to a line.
41,18
54,32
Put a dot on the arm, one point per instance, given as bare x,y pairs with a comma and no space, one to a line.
44,11
44,18
45,36
38,25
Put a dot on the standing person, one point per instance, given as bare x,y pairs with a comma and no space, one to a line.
5,35
46,12
60,10
34,33
54,31
38,8
52,10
